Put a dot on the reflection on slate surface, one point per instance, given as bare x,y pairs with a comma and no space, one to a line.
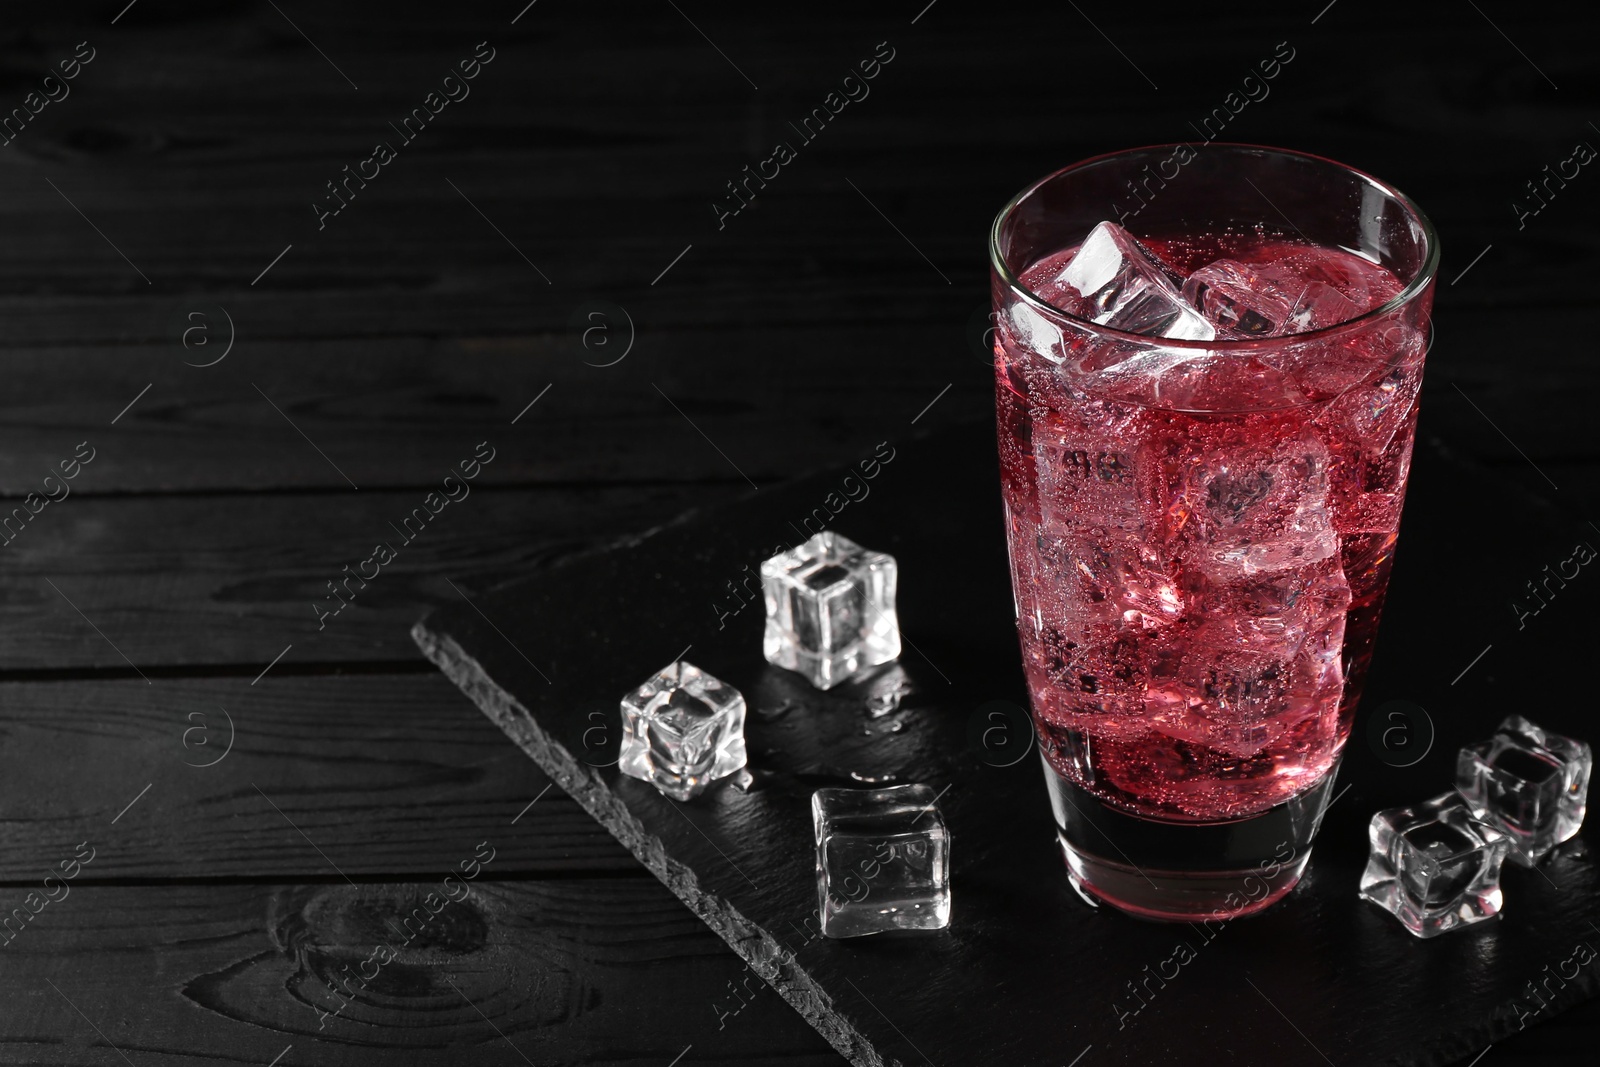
1027,973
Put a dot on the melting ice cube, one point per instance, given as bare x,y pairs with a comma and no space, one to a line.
1114,281
1527,783
883,860
681,730
1434,866
830,609
1267,299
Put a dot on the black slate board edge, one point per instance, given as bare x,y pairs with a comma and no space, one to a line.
771,960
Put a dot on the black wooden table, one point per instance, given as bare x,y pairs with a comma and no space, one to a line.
260,345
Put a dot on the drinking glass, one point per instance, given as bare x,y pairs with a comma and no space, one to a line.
1201,527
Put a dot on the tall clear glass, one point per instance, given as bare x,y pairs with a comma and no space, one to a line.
1201,527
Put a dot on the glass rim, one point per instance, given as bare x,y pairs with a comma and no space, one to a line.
1424,277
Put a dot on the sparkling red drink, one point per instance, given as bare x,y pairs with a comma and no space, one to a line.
1205,423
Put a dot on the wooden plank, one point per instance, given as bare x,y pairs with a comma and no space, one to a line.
404,412
413,265
400,412
360,775
743,859
607,973
231,581
811,256
247,123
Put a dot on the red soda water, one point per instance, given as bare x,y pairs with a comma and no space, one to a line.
1200,541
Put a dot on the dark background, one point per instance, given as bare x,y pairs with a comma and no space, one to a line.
454,290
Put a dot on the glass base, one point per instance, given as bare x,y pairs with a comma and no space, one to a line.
1184,871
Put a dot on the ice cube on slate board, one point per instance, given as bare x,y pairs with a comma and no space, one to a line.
1114,281
1434,866
1527,783
830,609
883,860
682,730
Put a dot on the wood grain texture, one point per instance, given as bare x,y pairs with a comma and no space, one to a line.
403,413
572,972
204,581
363,775
775,399
636,122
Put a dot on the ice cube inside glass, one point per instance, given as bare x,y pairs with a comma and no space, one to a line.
830,609
1277,298
1530,784
1434,866
1114,280
883,860
682,729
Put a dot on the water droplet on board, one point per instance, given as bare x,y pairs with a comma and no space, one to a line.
888,701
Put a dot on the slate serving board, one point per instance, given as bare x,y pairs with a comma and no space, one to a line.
1028,973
